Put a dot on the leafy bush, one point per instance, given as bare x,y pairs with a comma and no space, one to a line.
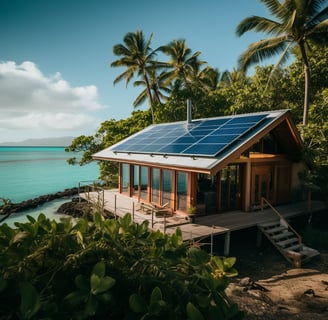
108,269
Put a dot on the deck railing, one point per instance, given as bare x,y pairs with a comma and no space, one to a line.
282,218
93,186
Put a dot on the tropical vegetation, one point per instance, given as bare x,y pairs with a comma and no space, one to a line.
299,24
213,93
108,269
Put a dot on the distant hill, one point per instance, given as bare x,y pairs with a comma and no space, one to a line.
43,142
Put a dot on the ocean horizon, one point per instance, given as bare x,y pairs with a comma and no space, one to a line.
30,172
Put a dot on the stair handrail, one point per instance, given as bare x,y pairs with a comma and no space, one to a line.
281,217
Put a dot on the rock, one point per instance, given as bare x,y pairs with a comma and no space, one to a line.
8,208
245,282
76,208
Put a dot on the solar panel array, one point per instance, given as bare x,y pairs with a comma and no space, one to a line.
205,137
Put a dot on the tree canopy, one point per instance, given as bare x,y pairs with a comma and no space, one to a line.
299,23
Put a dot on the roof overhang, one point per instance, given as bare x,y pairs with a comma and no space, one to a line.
208,164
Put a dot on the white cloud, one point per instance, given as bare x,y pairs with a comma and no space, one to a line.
32,103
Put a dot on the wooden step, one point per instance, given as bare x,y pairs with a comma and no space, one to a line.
275,230
270,224
282,235
287,242
297,247
309,252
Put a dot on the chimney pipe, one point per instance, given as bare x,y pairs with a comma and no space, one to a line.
189,111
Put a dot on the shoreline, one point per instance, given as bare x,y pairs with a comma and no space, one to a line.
8,208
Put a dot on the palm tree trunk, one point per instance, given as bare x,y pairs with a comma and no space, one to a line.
306,83
150,97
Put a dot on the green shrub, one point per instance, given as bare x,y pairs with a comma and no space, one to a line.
108,269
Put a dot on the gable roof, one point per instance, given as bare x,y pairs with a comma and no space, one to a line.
202,145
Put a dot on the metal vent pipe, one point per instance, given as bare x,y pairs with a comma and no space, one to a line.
189,111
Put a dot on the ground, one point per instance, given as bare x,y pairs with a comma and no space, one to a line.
269,287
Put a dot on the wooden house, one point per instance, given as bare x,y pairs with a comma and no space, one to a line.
211,165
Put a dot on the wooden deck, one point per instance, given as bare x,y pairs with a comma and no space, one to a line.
204,227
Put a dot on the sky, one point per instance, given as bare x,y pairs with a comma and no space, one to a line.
55,56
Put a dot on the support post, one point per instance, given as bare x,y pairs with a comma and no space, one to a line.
115,205
212,244
259,238
133,211
227,244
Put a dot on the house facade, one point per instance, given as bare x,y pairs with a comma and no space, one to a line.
211,165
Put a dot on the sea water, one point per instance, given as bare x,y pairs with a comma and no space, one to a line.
30,172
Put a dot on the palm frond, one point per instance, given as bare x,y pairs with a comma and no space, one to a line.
317,19
258,24
141,98
319,34
274,6
261,50
283,57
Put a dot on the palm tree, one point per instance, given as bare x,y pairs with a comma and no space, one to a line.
183,62
300,22
137,56
158,88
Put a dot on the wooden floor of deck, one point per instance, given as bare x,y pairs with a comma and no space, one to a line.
204,226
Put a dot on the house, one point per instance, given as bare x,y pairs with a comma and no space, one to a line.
211,165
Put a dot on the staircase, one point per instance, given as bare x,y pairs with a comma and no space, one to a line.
287,240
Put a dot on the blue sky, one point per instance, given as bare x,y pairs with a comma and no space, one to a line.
55,78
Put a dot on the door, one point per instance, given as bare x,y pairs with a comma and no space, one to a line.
262,184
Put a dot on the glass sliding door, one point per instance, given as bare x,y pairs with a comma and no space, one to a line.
144,183
182,185
155,185
166,186
230,188
125,178
136,181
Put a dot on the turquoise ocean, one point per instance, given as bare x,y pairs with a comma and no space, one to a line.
30,172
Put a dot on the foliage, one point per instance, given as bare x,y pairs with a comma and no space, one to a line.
297,25
109,133
108,269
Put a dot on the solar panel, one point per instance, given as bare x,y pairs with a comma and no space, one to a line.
205,137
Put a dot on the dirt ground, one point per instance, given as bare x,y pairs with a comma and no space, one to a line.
269,287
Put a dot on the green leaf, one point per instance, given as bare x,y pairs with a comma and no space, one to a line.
30,218
76,298
156,295
7,231
193,313
99,269
20,237
100,284
229,262
99,220
91,306
216,263
137,303
198,257
30,300
42,217
231,273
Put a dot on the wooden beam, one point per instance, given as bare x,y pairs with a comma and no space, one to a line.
227,244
